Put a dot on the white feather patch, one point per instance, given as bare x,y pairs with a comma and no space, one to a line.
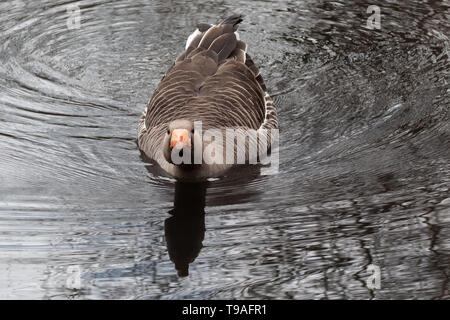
191,37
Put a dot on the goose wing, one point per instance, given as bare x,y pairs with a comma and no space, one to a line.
214,80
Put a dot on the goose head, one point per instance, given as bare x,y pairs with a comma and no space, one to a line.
178,143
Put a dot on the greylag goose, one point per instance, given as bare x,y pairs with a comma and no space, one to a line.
213,86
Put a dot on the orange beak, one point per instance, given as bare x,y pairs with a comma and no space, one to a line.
180,138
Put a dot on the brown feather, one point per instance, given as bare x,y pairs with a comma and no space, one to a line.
214,81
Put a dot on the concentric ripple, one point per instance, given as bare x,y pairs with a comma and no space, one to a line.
364,146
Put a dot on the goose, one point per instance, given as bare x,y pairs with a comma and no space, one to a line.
215,83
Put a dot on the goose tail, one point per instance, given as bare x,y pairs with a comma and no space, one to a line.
234,20
222,39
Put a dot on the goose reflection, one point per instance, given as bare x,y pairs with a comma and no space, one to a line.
185,229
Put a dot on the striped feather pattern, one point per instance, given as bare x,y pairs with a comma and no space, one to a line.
214,81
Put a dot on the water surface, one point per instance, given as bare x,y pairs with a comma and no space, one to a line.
364,146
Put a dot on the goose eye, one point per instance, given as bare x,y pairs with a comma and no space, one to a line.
168,131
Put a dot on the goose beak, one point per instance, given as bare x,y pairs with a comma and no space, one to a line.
180,138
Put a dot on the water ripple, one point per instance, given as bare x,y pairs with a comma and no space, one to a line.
364,174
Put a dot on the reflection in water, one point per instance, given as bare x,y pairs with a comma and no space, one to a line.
185,229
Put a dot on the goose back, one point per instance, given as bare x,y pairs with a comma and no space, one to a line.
215,81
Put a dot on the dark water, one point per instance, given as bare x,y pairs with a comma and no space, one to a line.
364,155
